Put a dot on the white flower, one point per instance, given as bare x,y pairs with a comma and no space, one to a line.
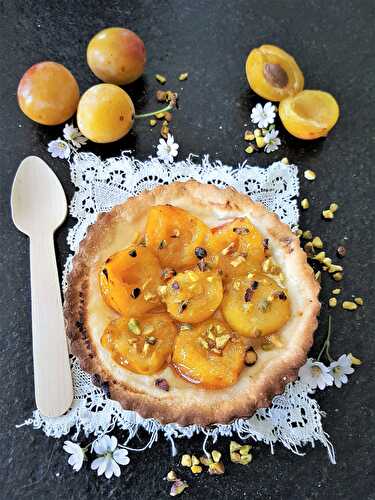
272,141
340,369
109,457
59,149
263,116
77,454
167,149
315,374
73,135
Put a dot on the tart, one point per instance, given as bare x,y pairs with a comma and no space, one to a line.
193,304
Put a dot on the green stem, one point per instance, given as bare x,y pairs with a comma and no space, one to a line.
152,113
327,342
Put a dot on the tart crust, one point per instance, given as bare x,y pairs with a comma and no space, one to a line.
86,314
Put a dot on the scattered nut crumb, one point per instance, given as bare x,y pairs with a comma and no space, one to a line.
249,150
317,242
310,175
260,141
186,460
355,361
349,305
171,476
178,487
359,301
249,136
183,76
336,291
216,456
307,235
196,469
332,302
333,207
257,132
153,122
216,468
327,214
285,161
160,78
305,204
337,276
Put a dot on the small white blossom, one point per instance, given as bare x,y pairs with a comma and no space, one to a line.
77,454
272,141
109,457
73,135
315,374
59,149
340,369
167,149
263,116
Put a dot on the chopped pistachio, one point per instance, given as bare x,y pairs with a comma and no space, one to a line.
260,141
222,341
186,460
134,326
320,256
244,450
183,76
246,459
327,261
159,116
205,460
196,469
285,161
298,232
310,175
153,122
333,268
249,150
257,132
168,116
318,276
178,487
233,446
355,361
216,468
171,476
305,204
235,457
327,214
349,305
333,207
317,242
249,136
359,301
164,131
309,248
216,456
307,235
194,460
203,343
336,291
332,302
160,78
337,276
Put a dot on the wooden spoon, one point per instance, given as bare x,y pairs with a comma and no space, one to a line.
38,209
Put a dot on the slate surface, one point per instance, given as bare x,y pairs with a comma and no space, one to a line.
334,44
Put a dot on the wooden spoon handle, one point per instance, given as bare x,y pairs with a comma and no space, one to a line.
52,375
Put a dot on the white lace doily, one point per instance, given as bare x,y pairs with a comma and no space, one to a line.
294,419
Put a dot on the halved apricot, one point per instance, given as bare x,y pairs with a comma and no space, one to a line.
193,296
236,248
209,355
174,235
129,280
255,305
310,114
272,73
142,345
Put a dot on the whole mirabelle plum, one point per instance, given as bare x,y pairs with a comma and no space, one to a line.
105,113
48,93
116,55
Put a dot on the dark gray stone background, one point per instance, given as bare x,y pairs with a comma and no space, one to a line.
334,44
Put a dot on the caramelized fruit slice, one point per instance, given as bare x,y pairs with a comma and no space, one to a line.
255,306
48,93
129,280
310,114
174,235
105,113
209,355
272,73
193,296
141,345
238,247
116,55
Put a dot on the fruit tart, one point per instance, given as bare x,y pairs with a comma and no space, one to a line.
193,304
